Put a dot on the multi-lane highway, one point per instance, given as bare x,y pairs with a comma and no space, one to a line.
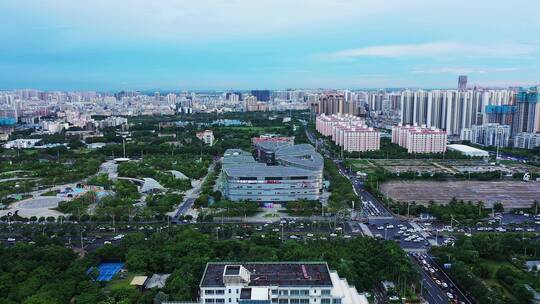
438,287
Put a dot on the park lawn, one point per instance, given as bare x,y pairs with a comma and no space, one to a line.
119,282
363,165
492,280
358,161
254,129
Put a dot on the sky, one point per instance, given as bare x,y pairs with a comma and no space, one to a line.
267,44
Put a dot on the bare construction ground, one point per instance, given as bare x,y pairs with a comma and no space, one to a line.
512,194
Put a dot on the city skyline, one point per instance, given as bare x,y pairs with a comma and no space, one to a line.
219,45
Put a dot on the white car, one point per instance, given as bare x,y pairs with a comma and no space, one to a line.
449,295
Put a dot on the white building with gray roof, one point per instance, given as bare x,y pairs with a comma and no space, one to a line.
283,172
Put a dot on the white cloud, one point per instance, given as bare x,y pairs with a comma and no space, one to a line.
438,49
175,20
464,70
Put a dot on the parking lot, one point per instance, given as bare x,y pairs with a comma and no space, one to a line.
512,194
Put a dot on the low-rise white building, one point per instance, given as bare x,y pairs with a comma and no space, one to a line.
468,150
21,143
275,282
207,136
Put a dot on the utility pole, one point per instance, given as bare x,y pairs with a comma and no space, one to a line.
479,209
82,240
124,145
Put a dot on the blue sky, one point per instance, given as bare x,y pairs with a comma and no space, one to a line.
245,44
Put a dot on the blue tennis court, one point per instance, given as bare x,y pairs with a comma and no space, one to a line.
107,271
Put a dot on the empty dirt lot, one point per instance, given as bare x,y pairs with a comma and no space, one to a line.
513,194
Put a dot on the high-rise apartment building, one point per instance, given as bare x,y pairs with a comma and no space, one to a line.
419,139
325,124
358,138
462,82
335,104
262,95
527,115
527,140
491,134
501,114
349,132
451,110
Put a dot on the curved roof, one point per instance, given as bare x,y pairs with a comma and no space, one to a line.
178,174
302,155
151,184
